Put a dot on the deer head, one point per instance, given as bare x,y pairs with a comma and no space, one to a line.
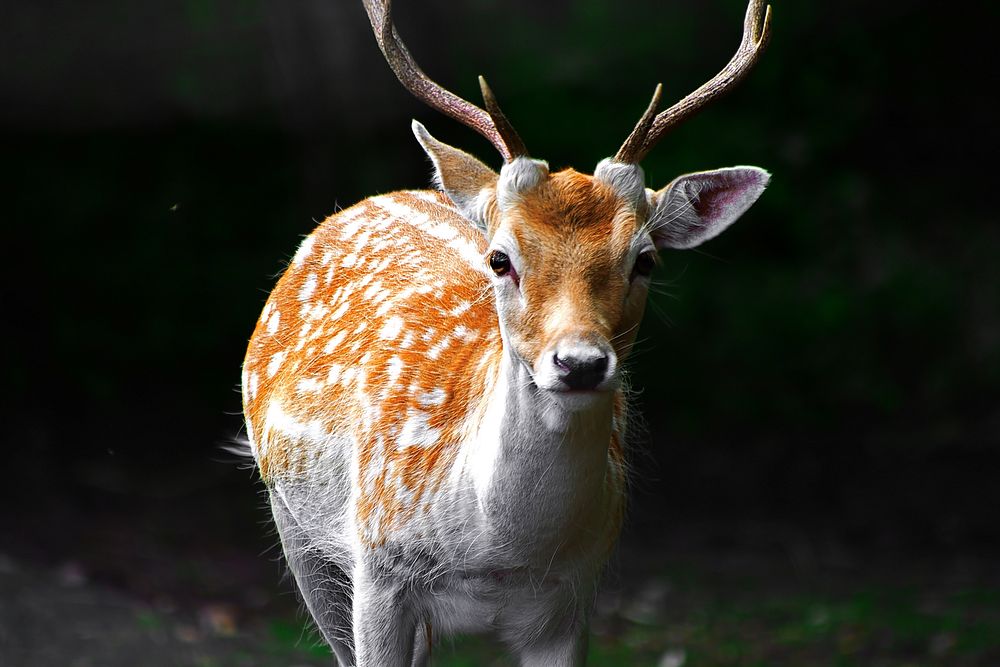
570,254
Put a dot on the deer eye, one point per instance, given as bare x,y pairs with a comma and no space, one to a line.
644,264
499,262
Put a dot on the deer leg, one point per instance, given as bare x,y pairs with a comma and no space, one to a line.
422,645
553,633
324,586
384,625
564,651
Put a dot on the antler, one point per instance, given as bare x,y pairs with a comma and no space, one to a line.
490,123
648,131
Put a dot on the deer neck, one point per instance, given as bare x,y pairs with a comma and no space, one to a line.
538,469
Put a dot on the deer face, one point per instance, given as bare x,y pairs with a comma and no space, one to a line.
570,264
570,255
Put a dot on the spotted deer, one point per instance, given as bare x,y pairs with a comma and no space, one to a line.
434,390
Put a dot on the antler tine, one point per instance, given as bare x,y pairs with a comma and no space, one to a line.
627,153
756,33
492,123
511,139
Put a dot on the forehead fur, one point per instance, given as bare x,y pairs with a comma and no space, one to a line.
571,200
573,222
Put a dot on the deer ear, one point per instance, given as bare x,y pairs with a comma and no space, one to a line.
697,207
469,183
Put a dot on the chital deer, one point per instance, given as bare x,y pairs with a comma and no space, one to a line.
433,393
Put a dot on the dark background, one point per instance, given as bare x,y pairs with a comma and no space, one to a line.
828,369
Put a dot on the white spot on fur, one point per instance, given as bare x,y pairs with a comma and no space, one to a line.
362,240
417,431
465,334
337,314
305,248
273,322
308,287
382,265
391,328
308,385
436,351
469,252
426,196
317,312
460,309
436,396
442,230
394,368
354,219
337,339
276,360
276,419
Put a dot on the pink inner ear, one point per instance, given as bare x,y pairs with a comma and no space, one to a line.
698,207
712,204
719,195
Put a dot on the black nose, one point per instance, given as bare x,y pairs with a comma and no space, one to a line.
581,368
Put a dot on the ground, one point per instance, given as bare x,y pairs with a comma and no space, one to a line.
707,593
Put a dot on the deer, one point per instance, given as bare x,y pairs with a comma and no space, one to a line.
434,392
